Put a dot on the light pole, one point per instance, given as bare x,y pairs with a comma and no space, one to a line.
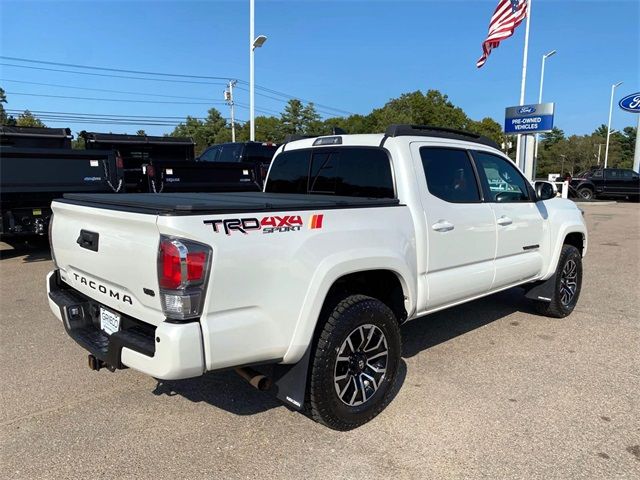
606,150
562,168
544,59
254,42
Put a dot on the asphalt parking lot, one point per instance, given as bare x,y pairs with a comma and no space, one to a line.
489,390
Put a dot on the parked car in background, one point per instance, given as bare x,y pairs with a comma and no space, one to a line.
38,165
167,164
257,154
137,151
606,182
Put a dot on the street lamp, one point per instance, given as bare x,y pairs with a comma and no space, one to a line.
606,150
254,42
544,59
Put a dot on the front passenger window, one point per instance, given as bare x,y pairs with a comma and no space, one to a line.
502,181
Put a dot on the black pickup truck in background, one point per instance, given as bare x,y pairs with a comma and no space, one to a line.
166,164
38,165
256,155
606,182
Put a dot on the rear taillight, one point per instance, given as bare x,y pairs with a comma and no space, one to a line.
151,172
50,232
183,269
119,160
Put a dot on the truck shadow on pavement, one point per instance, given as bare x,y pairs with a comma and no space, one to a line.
38,252
424,333
227,391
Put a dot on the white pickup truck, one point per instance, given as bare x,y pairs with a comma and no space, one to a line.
353,236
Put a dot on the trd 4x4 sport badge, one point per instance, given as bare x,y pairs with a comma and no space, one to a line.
274,224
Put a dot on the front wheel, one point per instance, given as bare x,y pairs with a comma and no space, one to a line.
568,284
355,363
586,194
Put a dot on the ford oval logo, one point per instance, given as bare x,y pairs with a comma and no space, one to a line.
526,110
631,103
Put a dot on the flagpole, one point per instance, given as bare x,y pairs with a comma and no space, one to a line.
521,155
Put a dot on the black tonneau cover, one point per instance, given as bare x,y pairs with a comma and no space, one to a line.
219,203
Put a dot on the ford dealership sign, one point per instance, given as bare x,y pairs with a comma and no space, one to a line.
631,103
527,110
527,119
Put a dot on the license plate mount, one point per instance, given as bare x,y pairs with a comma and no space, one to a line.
109,321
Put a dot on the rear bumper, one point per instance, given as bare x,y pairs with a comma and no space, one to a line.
169,351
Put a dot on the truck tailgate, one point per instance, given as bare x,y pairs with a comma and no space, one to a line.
117,266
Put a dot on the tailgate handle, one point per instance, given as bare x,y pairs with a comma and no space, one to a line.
88,240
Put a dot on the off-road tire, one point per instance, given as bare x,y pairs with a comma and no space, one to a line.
586,193
339,323
556,308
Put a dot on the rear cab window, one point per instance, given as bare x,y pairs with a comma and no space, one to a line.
344,171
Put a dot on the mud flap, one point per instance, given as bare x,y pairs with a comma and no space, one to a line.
291,381
542,291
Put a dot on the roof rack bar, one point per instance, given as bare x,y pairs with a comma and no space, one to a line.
398,130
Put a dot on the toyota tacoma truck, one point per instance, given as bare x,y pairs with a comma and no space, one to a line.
352,236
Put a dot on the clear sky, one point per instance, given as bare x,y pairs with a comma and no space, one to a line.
348,55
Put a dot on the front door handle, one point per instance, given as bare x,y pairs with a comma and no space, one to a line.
504,221
442,226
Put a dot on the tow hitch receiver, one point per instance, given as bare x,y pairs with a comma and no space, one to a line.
96,364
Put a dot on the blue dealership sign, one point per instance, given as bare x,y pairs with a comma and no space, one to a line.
631,103
526,119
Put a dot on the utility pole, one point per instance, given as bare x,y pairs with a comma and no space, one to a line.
228,96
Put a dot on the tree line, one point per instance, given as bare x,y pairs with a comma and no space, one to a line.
557,153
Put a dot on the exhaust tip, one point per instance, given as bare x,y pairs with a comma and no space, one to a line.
256,379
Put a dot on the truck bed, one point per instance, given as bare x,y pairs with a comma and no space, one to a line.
219,203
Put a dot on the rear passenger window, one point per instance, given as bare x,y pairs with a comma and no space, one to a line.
347,171
289,173
449,174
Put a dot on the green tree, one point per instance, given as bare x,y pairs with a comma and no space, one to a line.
203,132
141,133
489,128
3,113
5,119
299,119
432,108
551,138
28,119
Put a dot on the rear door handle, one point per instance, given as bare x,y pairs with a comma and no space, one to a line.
504,221
442,226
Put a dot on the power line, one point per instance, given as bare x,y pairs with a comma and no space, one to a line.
103,114
114,99
111,75
258,87
119,70
293,97
101,89
98,119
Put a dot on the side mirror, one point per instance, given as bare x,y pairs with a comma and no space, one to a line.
545,190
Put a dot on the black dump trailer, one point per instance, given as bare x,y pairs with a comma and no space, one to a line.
38,165
154,164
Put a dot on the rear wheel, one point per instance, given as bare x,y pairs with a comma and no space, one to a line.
586,193
355,363
568,284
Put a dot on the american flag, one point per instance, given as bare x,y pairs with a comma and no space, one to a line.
507,16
